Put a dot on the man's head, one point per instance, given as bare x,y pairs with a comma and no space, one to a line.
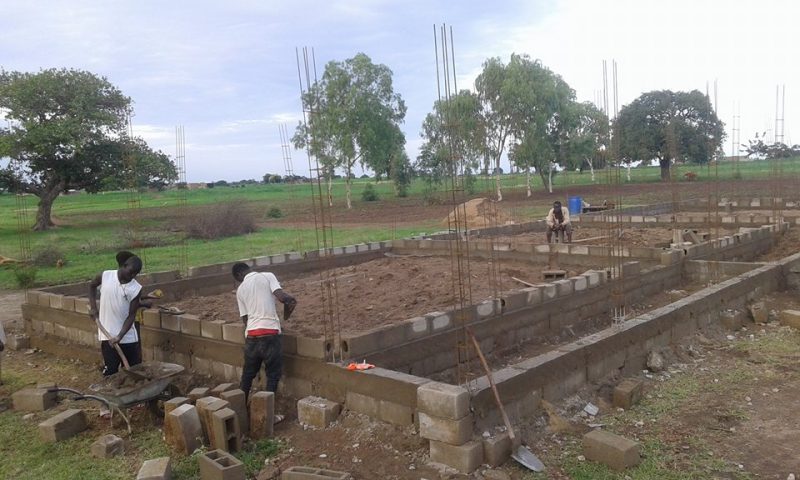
131,268
123,257
239,271
557,206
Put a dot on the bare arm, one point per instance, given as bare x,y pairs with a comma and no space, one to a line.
96,282
288,301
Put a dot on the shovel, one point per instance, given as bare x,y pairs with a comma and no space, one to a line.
125,364
521,454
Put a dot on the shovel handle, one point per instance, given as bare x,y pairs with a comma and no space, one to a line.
125,363
491,382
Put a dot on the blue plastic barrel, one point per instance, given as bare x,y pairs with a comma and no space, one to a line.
575,204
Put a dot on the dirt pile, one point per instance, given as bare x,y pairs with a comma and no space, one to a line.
478,213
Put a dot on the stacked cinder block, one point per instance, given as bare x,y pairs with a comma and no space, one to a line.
445,420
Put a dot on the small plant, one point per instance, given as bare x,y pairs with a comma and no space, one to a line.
369,194
274,212
25,275
48,256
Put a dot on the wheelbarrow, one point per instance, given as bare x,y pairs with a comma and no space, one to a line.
147,382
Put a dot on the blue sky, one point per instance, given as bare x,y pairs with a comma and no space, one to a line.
227,72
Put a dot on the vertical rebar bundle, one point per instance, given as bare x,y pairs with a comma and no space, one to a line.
183,186
323,225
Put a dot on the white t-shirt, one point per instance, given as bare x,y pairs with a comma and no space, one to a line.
2,334
115,304
256,301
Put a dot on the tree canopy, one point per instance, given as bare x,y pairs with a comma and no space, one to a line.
354,116
669,127
66,131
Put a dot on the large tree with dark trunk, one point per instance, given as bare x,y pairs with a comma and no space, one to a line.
669,127
60,124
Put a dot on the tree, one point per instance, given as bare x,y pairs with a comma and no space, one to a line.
591,141
354,117
131,163
669,127
62,124
454,131
547,121
758,149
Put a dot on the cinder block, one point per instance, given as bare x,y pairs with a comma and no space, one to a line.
190,324
238,403
361,403
610,449
225,433
82,305
313,473
443,400
395,413
439,320
198,393
68,303
790,318
44,298
417,327
222,387
151,318
156,469
220,465
317,411
63,426
465,458
454,432
534,295
34,400
174,403
262,414
205,407
107,446
628,393
18,341
212,329
171,323
759,312
579,283
549,291
233,332
732,319
563,287
497,449
32,297
183,429
56,301
311,347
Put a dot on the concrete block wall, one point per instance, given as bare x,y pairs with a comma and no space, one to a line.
562,371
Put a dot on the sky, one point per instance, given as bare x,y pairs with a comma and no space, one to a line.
227,72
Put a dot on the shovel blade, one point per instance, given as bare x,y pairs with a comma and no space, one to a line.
527,459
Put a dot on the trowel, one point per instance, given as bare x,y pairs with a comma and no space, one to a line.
520,453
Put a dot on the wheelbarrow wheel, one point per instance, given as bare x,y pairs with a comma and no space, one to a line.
156,405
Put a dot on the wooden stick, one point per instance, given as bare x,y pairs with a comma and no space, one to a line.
115,345
590,238
491,382
523,282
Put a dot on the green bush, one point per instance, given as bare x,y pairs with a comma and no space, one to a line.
25,275
48,256
227,219
274,212
369,194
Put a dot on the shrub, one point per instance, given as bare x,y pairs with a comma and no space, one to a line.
219,221
274,212
369,194
25,275
48,256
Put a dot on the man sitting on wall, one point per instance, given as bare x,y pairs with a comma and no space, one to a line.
558,222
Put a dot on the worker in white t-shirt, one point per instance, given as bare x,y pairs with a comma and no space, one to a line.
119,301
256,297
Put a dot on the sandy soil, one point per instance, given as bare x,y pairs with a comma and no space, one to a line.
382,292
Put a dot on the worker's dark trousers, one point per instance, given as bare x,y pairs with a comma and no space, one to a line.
257,350
112,360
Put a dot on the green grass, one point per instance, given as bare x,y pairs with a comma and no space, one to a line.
93,227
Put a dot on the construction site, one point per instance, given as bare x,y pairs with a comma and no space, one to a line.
480,351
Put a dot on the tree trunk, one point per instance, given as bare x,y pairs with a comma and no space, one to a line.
497,183
347,189
664,164
550,178
528,179
46,199
591,167
543,176
629,172
330,189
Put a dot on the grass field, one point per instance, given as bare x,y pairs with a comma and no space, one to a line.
93,227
